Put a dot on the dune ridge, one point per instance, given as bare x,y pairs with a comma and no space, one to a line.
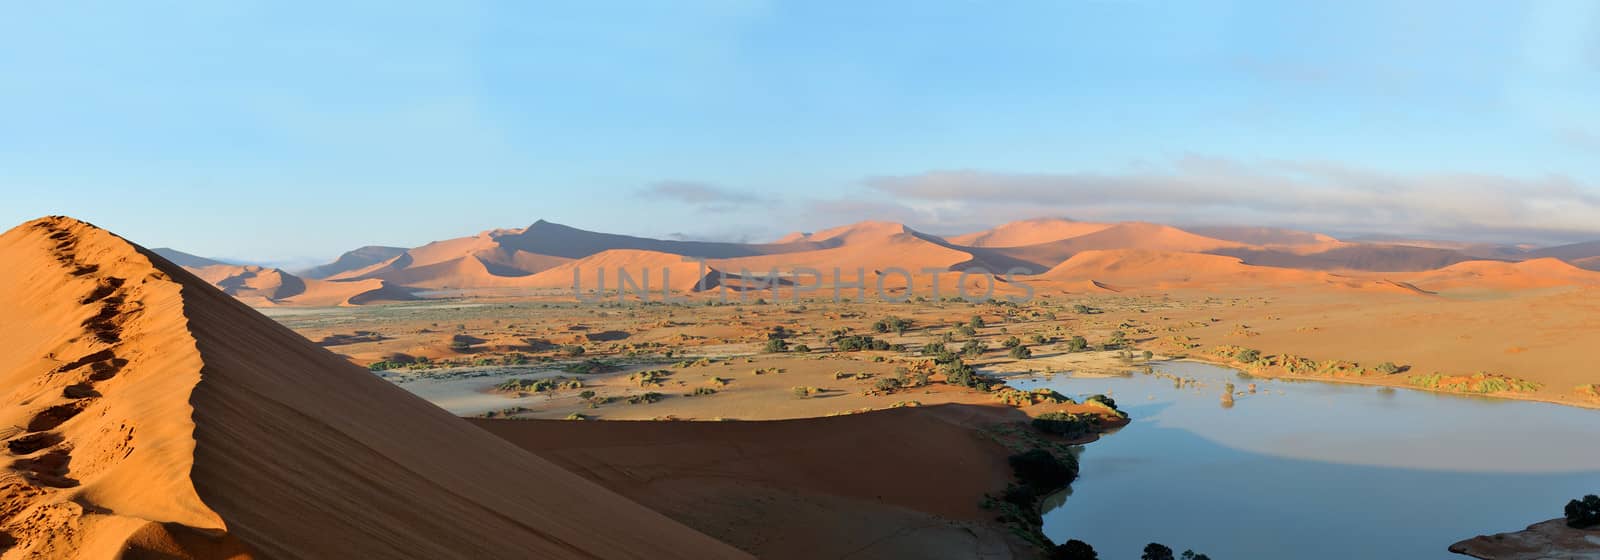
149,415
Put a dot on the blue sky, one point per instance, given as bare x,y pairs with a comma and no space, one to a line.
292,131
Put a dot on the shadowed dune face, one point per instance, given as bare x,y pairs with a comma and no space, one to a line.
853,486
148,412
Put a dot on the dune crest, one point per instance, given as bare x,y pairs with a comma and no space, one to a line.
148,415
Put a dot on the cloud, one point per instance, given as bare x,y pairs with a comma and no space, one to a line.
1303,194
706,196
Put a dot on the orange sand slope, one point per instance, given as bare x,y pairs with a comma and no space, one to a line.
147,414
544,256
1028,232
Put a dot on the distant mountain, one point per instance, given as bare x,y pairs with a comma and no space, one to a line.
183,259
353,260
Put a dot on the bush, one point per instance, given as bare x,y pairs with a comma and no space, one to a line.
892,324
1583,513
805,392
959,373
775,345
1156,551
1074,549
966,330
1077,344
1042,470
1388,368
702,391
974,349
855,343
1102,399
574,350
1011,342
800,348
886,384
646,398
1067,424
976,322
1021,353
1248,356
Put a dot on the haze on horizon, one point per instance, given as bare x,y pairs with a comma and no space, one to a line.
257,133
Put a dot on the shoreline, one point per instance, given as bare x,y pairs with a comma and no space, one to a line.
1373,383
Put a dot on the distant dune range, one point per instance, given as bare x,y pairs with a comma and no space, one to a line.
148,415
1053,254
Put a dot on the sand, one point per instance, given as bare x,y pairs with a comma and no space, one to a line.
1028,232
858,486
152,415
1548,540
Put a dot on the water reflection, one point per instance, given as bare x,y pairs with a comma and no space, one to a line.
1315,470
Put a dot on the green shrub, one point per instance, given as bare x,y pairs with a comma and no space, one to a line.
892,324
574,350
974,349
646,398
1077,344
1042,470
976,322
1011,342
775,345
1067,424
1021,353
1248,356
1584,513
886,384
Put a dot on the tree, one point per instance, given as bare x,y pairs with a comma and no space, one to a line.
1192,555
959,373
775,345
1074,550
1583,513
886,384
1011,342
1077,344
1020,352
1156,551
974,349
574,350
975,322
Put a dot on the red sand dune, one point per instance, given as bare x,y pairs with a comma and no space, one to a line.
1028,232
852,486
1536,273
1261,235
270,286
1136,269
679,273
1127,235
148,415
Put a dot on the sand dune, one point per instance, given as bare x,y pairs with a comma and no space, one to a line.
545,238
780,490
1261,235
1028,232
1158,269
1497,275
647,269
1351,257
357,259
1127,235
259,286
148,415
